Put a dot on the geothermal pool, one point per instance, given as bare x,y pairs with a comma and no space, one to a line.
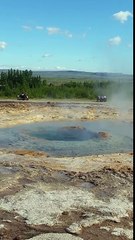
78,138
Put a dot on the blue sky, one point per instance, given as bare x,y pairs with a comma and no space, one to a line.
84,35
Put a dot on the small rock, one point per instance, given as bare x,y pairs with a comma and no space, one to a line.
103,134
2,226
65,213
75,228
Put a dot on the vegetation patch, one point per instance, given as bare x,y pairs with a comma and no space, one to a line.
14,82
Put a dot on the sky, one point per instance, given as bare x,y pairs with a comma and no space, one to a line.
80,35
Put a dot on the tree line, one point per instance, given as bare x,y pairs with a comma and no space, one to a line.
13,82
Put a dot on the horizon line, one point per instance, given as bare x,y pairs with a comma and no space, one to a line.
64,70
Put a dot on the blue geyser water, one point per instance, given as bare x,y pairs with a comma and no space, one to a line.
68,133
76,138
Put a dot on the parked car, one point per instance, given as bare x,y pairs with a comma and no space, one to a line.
22,96
101,99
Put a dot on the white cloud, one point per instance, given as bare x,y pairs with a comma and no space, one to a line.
3,45
26,28
60,68
23,67
4,66
39,28
46,55
56,30
68,34
86,32
115,40
53,30
122,16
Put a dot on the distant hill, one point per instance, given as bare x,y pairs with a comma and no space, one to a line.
74,75
81,74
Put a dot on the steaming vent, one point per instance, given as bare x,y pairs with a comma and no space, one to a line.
72,133
71,139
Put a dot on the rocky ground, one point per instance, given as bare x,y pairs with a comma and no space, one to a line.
71,198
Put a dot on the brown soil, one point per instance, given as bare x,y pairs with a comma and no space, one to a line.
106,177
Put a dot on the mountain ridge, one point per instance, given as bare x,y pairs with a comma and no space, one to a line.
79,74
